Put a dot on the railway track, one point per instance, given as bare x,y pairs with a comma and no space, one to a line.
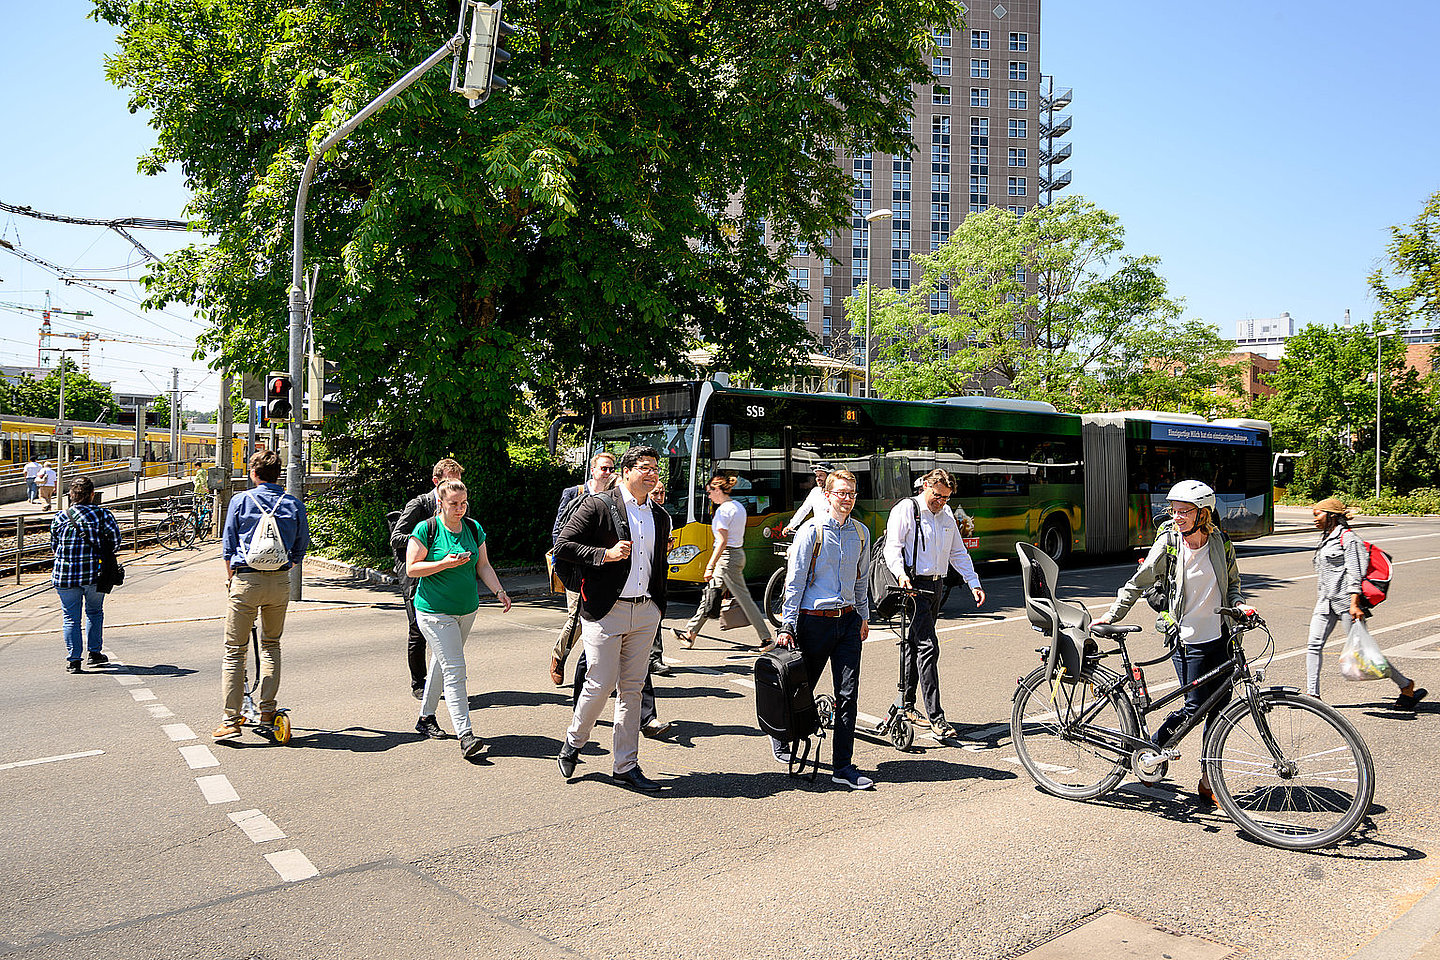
25,540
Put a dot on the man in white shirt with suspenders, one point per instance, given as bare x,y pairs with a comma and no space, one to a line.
922,542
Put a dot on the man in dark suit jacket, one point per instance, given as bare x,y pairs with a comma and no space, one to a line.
620,540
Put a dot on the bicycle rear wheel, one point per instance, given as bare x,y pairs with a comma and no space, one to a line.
1314,795
1072,745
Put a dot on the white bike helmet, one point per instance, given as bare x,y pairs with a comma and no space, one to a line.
1193,491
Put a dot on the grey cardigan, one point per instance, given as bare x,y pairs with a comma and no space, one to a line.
1222,559
1339,566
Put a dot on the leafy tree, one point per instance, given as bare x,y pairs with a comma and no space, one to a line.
1324,404
1414,255
85,399
1046,303
579,232
160,406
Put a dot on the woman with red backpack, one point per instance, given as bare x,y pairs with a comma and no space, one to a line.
1339,568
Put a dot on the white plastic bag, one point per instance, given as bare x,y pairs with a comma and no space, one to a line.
1361,658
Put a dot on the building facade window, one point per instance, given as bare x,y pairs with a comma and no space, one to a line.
1017,129
900,177
1019,42
940,299
979,191
1018,211
1015,157
979,96
979,69
1020,274
941,66
826,326
1019,100
900,273
979,159
940,96
942,38
1015,186
826,297
1019,70
979,39
979,130
940,183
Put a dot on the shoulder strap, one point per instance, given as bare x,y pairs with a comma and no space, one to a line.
814,555
474,528
622,528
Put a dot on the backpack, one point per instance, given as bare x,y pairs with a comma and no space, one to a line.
884,603
267,550
1375,582
569,571
785,706
409,585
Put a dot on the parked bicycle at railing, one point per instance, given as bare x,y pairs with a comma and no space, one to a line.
187,519
1287,768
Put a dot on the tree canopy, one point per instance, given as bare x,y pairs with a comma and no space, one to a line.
1414,255
1324,406
1046,304
85,399
578,232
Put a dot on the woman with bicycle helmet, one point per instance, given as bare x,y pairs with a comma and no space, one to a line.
1339,566
1194,563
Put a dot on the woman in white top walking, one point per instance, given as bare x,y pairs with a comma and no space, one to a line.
727,563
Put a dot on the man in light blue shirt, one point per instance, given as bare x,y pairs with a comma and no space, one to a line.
253,592
826,613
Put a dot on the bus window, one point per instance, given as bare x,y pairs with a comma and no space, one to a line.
757,459
848,450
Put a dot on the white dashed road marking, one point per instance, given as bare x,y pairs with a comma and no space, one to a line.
258,827
217,789
178,731
141,694
67,756
159,711
292,865
125,680
199,757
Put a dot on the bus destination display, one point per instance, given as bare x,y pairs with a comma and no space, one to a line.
656,405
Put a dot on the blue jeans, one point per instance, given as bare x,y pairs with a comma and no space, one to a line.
70,602
835,640
32,488
1193,661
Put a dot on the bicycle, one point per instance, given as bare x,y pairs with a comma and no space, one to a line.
1288,769
183,525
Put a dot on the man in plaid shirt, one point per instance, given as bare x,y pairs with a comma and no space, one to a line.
77,536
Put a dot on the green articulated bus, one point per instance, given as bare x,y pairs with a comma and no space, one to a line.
1023,470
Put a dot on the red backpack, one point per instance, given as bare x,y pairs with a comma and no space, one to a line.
1375,582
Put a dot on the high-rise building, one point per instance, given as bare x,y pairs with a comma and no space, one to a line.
986,130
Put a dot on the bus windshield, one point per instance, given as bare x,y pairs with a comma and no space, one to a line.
672,438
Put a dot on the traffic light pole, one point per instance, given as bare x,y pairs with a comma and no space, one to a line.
295,470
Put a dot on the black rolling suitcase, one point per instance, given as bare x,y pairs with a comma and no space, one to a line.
785,707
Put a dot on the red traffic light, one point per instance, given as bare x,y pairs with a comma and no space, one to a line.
277,397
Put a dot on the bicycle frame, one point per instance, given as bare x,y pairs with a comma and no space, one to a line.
1236,670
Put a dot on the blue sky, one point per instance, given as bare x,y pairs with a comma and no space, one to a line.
1260,150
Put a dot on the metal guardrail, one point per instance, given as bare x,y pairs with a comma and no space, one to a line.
25,540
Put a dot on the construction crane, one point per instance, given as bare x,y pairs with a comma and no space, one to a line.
84,336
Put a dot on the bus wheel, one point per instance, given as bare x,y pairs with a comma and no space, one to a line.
1055,539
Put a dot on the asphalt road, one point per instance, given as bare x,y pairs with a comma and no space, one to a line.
149,840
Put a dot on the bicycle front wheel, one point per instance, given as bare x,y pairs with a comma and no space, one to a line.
1314,793
171,533
1070,737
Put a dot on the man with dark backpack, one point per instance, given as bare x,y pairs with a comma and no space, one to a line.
602,478
922,543
617,541
416,512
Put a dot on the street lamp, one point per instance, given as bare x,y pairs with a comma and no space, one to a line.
870,218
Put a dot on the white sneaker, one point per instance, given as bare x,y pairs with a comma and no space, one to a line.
852,777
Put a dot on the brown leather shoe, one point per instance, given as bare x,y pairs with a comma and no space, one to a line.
557,671
267,716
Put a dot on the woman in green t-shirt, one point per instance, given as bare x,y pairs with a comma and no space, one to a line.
445,556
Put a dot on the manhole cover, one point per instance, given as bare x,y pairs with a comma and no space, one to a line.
1116,936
